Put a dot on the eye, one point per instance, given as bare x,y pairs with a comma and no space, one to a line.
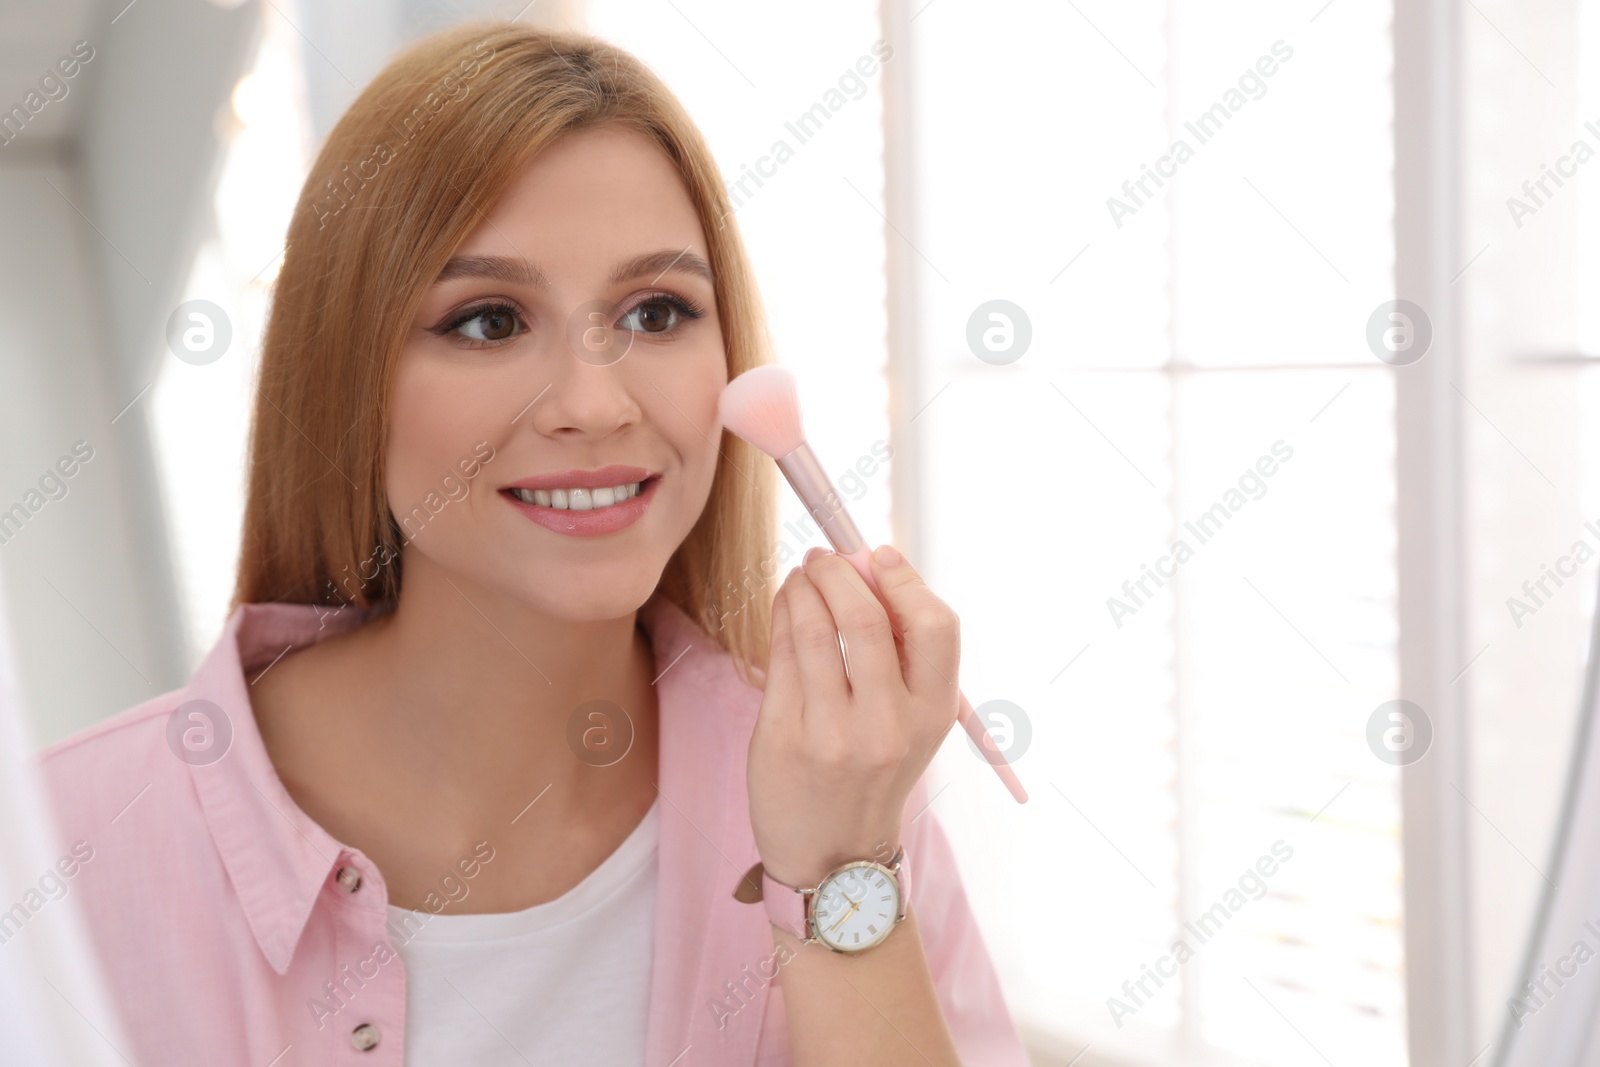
485,325
659,313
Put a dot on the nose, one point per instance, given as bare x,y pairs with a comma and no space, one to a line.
583,398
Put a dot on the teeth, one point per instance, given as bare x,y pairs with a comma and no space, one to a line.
578,499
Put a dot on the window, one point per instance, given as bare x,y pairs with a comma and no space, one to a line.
1182,497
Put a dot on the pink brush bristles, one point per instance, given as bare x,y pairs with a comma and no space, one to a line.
762,405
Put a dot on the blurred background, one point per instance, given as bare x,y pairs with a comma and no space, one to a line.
1239,367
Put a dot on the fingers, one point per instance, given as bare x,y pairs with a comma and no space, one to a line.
781,704
932,632
874,659
816,644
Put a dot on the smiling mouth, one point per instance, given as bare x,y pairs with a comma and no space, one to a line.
580,499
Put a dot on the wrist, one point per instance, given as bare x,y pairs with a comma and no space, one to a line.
805,872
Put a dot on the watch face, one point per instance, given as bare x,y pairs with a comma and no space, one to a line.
856,908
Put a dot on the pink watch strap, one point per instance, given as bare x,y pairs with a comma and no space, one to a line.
786,907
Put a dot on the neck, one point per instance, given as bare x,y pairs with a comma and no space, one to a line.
474,692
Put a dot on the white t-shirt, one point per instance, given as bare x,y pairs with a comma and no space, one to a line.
563,982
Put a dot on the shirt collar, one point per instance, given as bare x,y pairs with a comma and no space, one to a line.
277,857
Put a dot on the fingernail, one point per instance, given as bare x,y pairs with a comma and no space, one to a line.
886,556
816,551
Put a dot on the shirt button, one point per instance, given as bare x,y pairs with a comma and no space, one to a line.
349,879
364,1037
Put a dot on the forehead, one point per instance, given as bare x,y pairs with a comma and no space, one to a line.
606,193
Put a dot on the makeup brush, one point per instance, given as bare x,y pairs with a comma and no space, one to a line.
762,406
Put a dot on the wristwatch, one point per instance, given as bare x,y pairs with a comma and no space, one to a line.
852,908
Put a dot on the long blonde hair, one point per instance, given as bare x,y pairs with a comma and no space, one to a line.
406,175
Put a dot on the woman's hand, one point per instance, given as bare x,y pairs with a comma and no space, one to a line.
833,758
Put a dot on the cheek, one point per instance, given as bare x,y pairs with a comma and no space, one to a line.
435,419
678,401
691,416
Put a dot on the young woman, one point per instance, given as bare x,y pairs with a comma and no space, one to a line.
510,753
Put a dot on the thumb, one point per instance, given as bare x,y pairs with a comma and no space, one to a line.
930,633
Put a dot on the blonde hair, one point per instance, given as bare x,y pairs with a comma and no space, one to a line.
406,175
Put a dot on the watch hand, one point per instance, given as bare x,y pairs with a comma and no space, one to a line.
854,905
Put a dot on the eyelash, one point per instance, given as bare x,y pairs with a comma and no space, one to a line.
685,307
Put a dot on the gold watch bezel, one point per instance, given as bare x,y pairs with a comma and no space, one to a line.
892,869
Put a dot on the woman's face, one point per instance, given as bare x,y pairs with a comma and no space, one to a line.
574,330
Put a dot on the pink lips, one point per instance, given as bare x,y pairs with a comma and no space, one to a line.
587,523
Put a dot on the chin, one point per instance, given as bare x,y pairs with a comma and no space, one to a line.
579,597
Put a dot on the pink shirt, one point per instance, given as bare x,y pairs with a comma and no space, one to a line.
235,930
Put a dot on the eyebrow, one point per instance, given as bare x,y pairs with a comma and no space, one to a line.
658,263
520,272
499,268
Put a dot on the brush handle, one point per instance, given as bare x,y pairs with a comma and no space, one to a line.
860,559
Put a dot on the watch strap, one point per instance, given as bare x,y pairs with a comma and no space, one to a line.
786,905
